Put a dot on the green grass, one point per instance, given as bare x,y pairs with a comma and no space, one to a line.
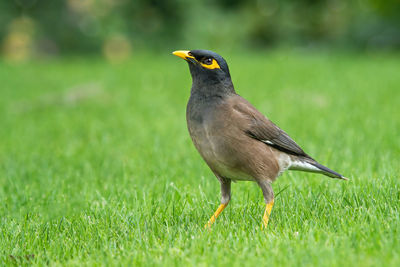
97,167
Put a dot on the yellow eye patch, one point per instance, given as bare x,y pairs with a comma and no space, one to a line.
214,65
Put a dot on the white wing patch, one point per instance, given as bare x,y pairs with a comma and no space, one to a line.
267,142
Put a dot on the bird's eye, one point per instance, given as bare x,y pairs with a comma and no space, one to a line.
207,61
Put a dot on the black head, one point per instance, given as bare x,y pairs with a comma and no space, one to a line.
205,65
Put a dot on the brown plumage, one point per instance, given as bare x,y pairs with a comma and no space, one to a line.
224,144
234,138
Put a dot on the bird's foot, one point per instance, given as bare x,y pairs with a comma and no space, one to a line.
215,216
267,213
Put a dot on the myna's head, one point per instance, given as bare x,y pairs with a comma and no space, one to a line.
205,66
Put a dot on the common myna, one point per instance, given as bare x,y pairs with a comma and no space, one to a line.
236,141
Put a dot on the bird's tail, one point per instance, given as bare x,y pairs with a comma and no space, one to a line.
328,172
310,165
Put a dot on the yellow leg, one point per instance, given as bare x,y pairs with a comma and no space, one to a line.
267,213
215,216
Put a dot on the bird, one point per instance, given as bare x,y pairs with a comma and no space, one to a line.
237,142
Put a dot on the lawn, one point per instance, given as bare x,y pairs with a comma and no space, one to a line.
97,166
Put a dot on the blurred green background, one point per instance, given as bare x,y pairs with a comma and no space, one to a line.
97,167
119,28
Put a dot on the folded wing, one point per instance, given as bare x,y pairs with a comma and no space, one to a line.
263,130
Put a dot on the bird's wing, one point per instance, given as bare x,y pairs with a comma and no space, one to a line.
262,129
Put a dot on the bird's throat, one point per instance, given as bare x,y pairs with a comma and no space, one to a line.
208,89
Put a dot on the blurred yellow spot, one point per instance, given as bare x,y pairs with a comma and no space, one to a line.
18,43
117,48
17,47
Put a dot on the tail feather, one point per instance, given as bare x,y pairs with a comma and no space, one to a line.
327,171
310,165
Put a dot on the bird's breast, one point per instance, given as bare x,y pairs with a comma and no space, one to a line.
209,137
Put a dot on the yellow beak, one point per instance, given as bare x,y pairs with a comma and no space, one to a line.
183,54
